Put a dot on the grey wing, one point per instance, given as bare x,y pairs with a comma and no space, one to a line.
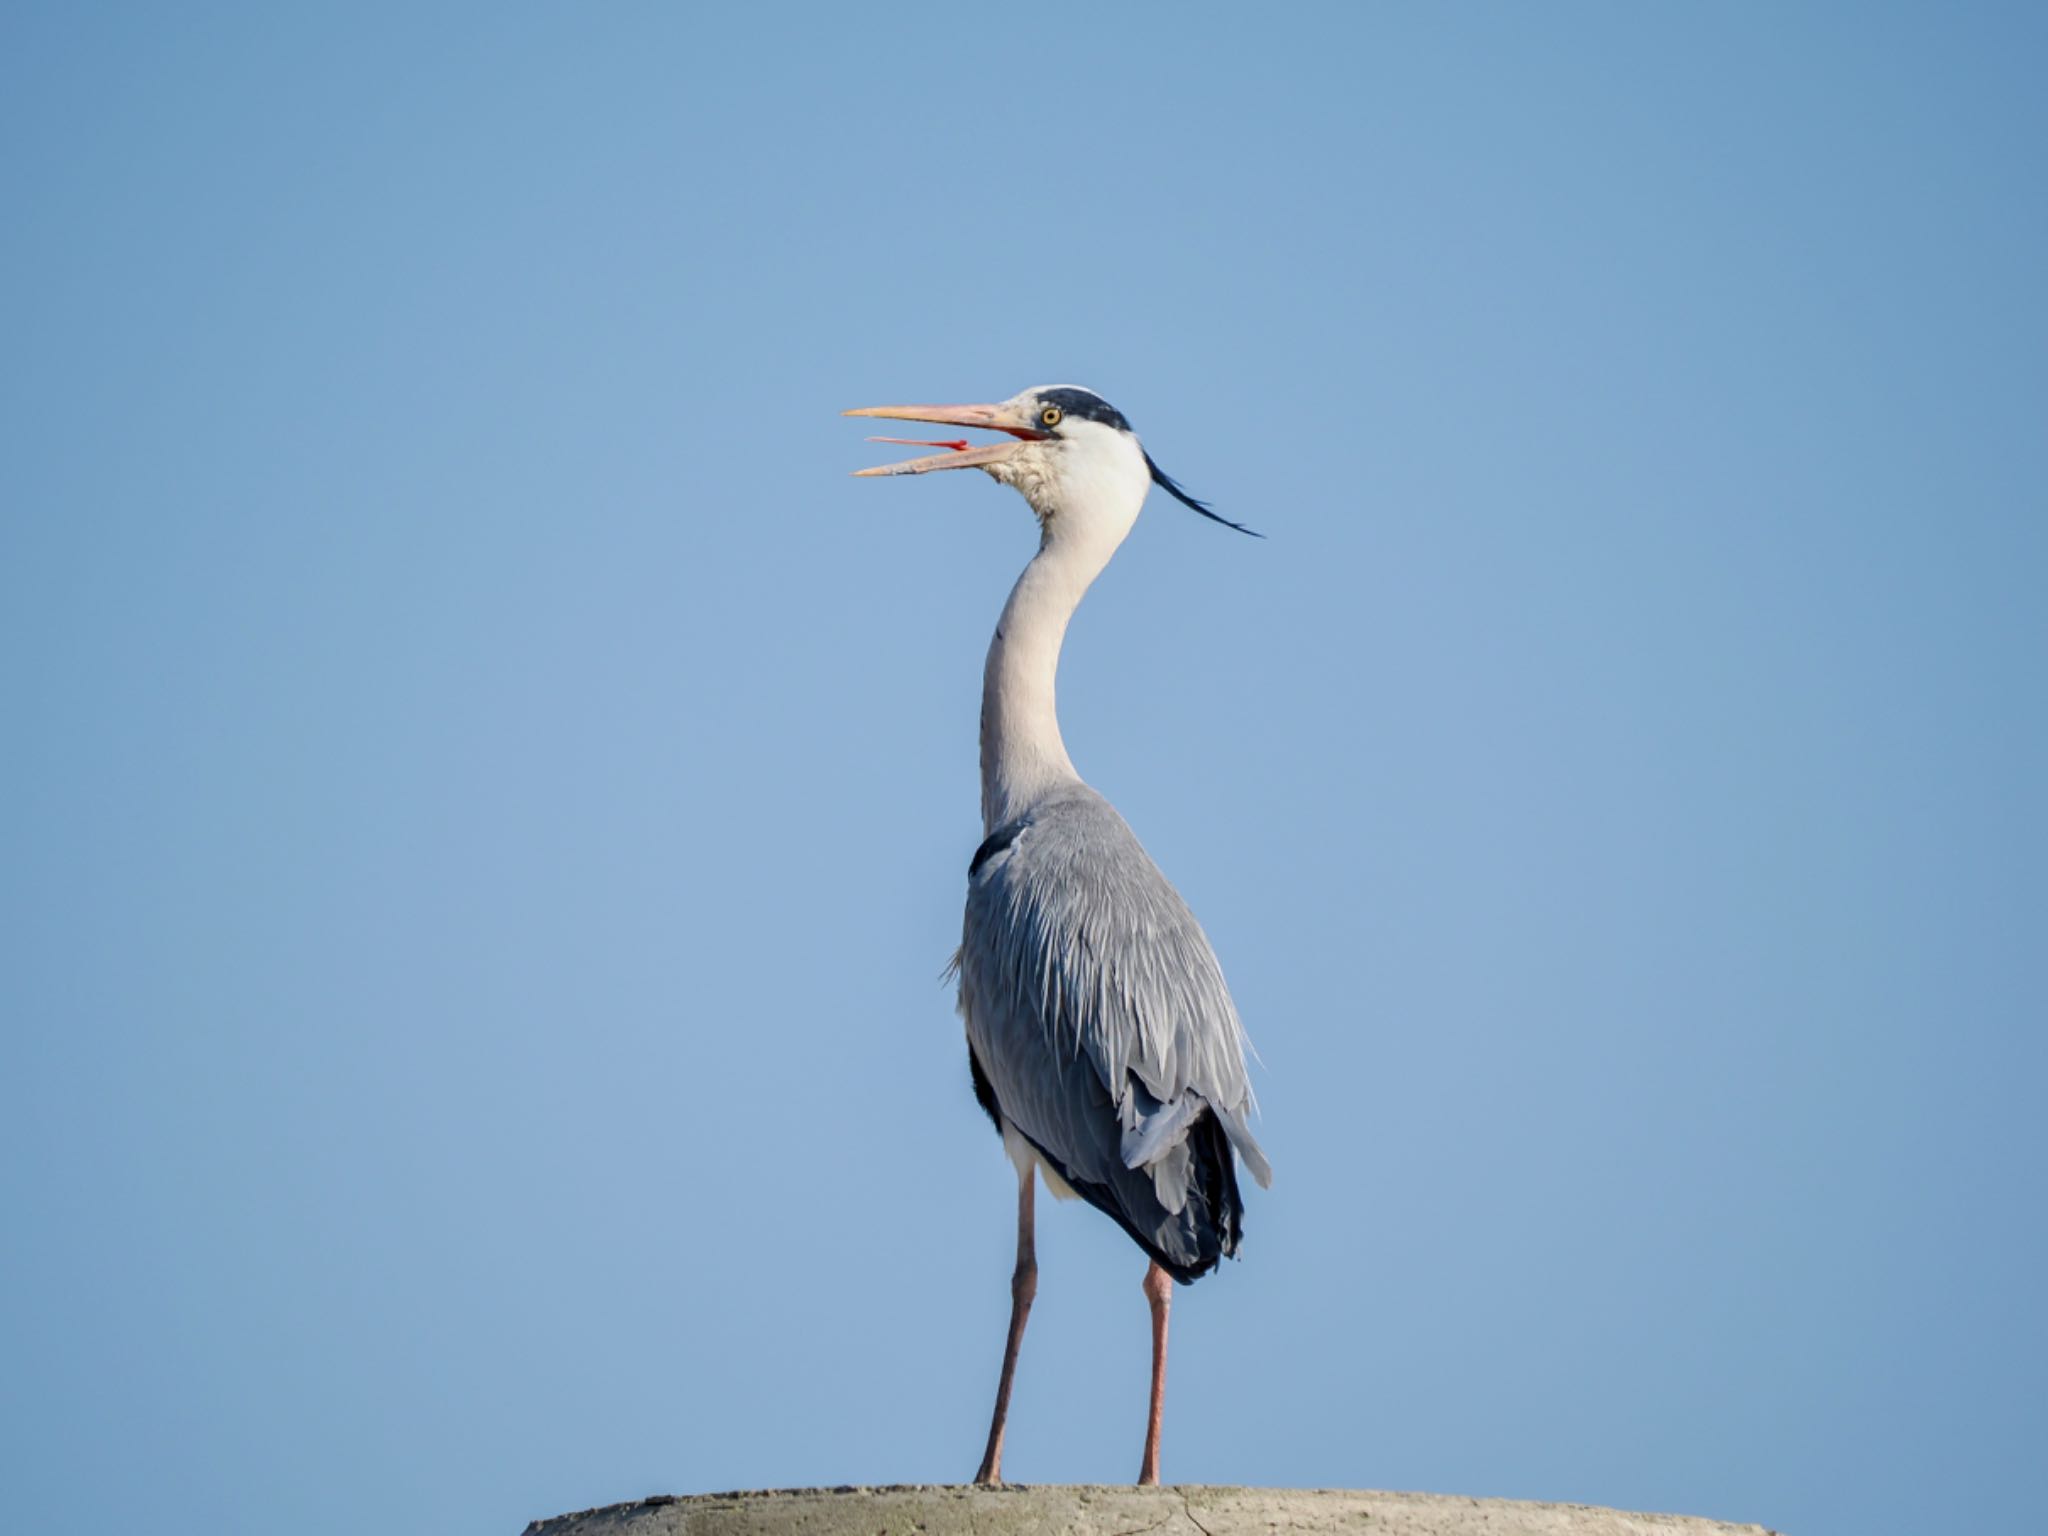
1097,1012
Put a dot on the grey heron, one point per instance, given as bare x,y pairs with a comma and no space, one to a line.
1101,1038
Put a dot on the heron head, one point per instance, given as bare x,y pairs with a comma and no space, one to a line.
1070,452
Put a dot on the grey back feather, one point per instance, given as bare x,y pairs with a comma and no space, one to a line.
1097,1009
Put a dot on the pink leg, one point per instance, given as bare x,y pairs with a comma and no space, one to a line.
1158,1288
1023,1286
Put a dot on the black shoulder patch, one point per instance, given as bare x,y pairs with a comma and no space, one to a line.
994,844
984,1090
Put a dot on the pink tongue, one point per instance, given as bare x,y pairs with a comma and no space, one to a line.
959,446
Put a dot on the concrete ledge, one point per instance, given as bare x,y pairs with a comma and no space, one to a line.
1100,1511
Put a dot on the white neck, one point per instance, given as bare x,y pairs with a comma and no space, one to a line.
1022,756
1086,501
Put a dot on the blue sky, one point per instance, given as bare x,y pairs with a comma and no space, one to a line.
487,797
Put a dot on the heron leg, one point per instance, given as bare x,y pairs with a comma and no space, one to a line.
1158,1288
1023,1286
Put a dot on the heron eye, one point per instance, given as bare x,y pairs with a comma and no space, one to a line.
1050,415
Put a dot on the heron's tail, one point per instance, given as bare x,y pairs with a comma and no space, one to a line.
1201,1175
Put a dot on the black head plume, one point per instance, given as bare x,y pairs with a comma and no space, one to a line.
1167,484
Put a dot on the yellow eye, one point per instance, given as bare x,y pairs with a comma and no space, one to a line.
1050,415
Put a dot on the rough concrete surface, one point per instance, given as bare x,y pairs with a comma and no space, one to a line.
1099,1511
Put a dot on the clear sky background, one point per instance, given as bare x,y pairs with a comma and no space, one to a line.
487,799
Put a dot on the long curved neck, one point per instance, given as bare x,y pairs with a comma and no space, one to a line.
1022,756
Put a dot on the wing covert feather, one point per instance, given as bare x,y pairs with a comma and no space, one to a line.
1094,1001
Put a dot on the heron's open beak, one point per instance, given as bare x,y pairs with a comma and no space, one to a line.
959,454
